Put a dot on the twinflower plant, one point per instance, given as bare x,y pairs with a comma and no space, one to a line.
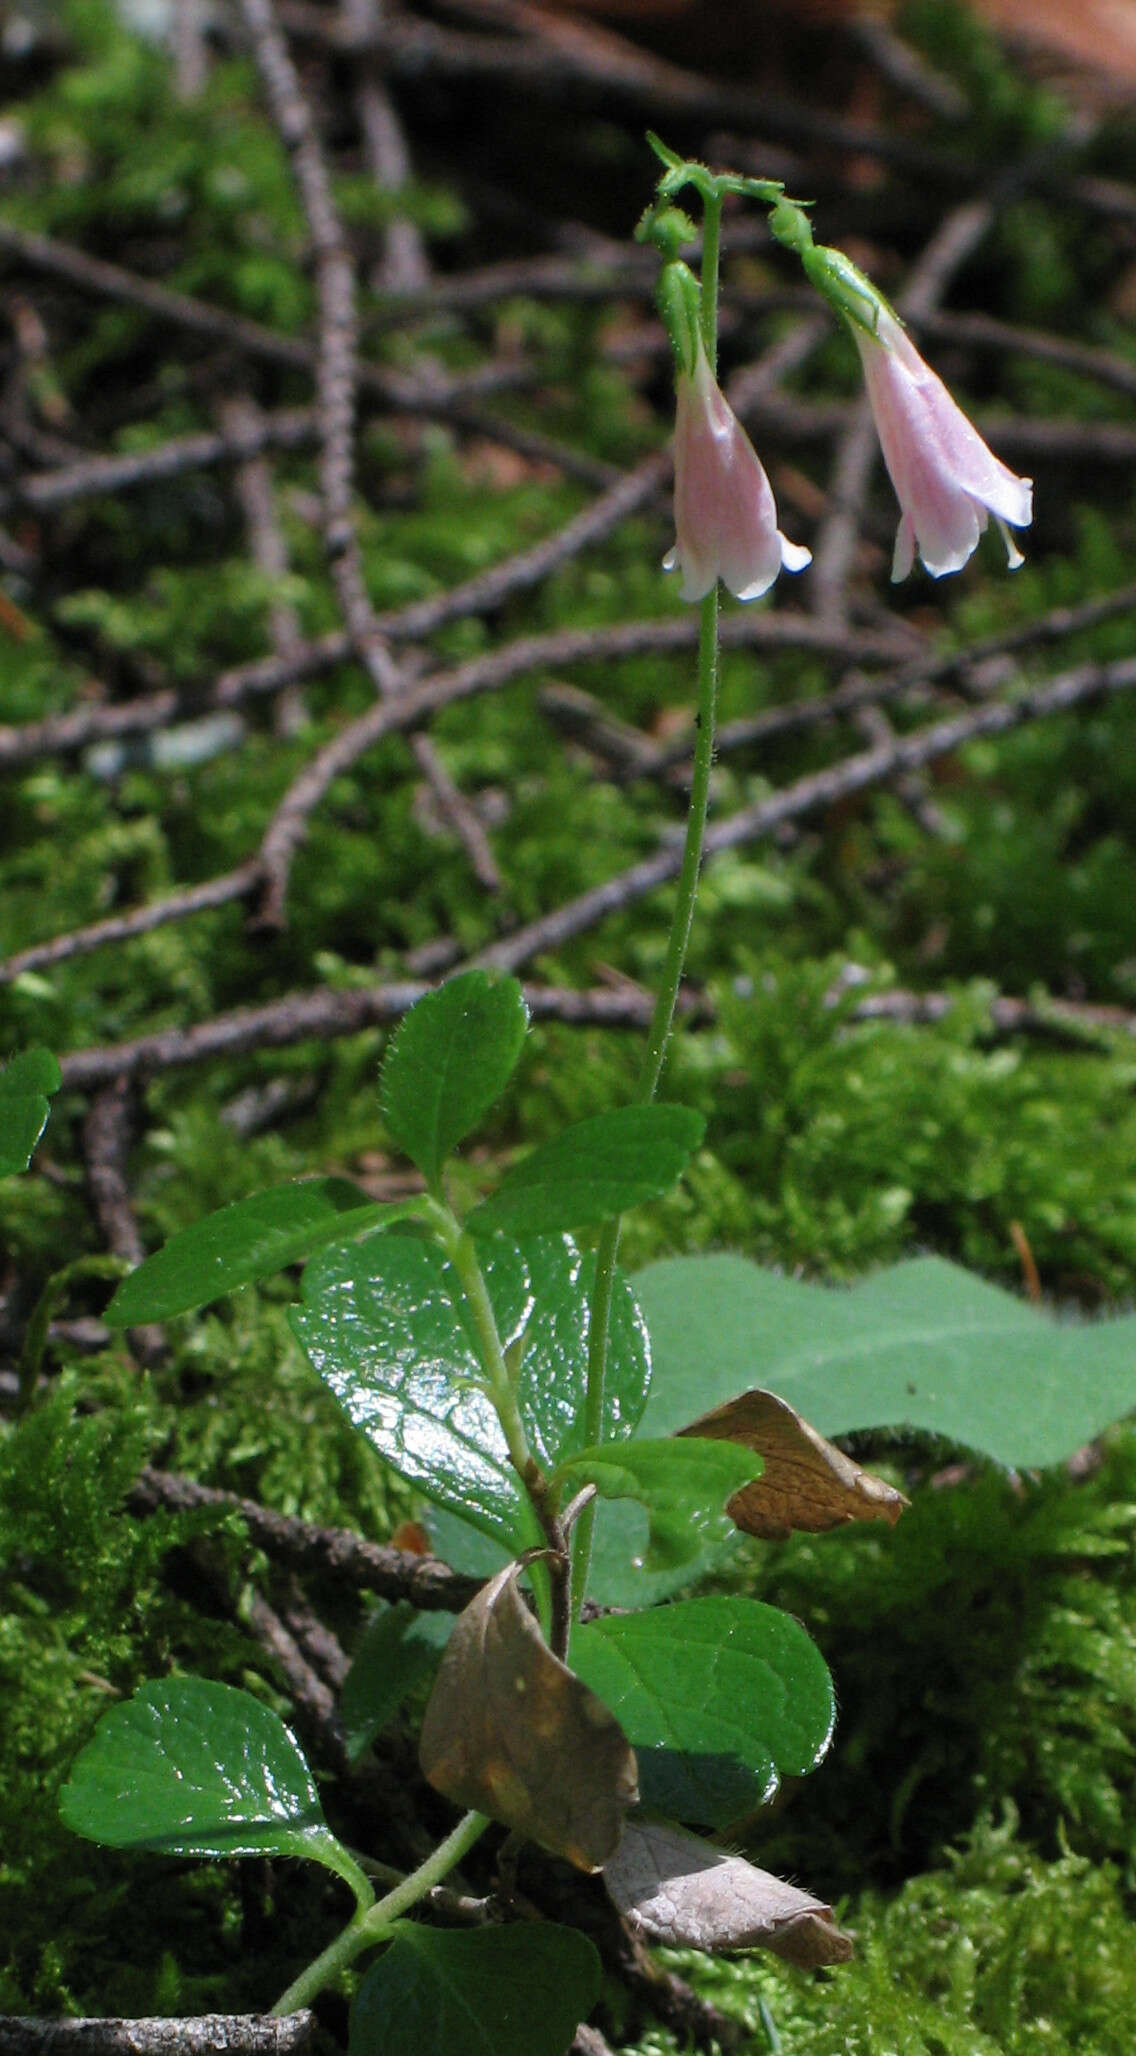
491,1352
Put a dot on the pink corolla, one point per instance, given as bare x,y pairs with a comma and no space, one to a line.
725,517
946,480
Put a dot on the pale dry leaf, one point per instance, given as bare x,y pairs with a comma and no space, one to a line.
807,1484
512,1732
674,1888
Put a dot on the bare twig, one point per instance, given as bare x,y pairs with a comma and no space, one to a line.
303,1546
241,419
106,1141
336,381
404,267
323,1014
808,795
207,2034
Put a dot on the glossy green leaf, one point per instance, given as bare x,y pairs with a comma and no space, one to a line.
683,1484
520,1990
398,1650
26,1087
251,1239
192,1768
448,1062
592,1171
383,1322
720,1698
924,1346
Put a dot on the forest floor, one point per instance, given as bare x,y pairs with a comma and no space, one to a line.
259,792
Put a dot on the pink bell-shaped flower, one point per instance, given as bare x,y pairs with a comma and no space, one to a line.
946,480
725,517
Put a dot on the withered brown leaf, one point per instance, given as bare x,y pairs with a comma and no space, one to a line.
512,1732
807,1482
679,1890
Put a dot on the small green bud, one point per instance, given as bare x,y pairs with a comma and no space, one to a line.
791,226
680,304
668,229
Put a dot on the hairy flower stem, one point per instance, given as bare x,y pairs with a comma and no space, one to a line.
662,1018
375,1924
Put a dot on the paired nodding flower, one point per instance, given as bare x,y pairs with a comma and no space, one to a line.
725,517
946,480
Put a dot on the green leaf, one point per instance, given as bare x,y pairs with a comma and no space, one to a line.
720,1698
241,1243
448,1063
399,1648
26,1087
383,1323
924,1346
193,1768
496,1991
684,1486
593,1171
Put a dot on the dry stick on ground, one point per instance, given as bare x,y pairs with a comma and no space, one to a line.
304,1546
241,419
62,734
209,2034
318,1013
106,1144
433,398
238,440
404,266
818,790
289,822
323,1015
335,406
323,1650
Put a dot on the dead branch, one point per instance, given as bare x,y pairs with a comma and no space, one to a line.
210,2034
304,1546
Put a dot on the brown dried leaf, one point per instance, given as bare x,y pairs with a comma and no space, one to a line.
511,1732
807,1482
676,1889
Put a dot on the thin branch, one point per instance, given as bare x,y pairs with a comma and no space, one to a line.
207,2034
289,428
336,382
404,266
106,1143
323,1015
304,1546
242,419
561,59
808,795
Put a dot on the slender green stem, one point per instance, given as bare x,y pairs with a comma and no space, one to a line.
373,1926
662,1017
711,246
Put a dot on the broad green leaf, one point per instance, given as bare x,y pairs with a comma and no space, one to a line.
924,1346
520,1990
26,1087
719,1697
383,1323
683,1484
192,1768
241,1243
398,1650
592,1171
448,1063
